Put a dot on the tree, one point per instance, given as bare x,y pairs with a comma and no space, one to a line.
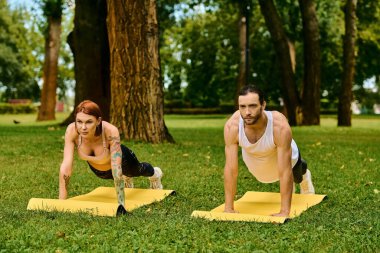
89,44
52,10
281,46
345,98
136,89
244,70
312,64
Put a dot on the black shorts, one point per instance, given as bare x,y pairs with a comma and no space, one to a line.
299,169
130,166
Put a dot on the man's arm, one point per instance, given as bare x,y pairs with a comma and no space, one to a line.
283,139
67,163
116,156
231,166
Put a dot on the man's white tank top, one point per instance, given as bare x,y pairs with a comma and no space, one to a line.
261,157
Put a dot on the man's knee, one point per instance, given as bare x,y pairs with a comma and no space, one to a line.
299,170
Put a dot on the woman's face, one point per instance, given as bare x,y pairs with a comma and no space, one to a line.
86,124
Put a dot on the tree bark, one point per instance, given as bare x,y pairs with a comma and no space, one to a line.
89,44
50,70
345,98
242,79
136,86
281,46
312,64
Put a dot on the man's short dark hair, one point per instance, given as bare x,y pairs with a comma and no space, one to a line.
252,89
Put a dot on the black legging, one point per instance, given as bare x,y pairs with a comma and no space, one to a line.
299,169
130,166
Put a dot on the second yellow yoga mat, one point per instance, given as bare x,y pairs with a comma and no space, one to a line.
258,207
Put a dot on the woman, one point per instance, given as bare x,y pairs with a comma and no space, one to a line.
98,143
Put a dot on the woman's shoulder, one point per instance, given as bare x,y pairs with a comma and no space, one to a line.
109,129
71,132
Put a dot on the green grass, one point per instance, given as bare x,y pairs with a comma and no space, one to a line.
345,164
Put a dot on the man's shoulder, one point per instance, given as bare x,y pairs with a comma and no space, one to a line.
231,128
233,121
279,119
281,127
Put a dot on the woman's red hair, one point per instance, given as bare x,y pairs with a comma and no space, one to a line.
90,108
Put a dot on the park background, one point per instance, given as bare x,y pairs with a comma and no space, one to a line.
142,61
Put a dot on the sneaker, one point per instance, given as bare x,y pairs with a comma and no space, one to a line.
128,182
155,180
307,185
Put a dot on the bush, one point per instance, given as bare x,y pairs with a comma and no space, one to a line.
6,108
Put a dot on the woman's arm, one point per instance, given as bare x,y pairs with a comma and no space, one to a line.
67,163
116,156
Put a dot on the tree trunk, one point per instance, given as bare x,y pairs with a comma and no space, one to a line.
292,52
242,79
89,44
50,70
312,64
281,46
136,88
345,98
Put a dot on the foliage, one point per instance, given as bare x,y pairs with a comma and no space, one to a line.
66,77
368,62
197,55
344,163
18,62
57,9
191,70
22,50
200,50
6,108
331,21
52,8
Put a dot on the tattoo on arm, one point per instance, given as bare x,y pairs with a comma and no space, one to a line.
66,178
114,139
116,157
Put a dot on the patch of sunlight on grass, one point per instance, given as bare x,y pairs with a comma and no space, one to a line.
357,121
195,121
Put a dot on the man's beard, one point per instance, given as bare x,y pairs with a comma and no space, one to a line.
251,120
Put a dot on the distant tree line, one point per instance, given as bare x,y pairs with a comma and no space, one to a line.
305,54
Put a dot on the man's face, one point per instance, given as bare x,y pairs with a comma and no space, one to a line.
250,108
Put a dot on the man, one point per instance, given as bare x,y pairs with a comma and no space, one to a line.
268,150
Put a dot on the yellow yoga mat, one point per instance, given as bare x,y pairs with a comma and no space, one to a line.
101,201
258,207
